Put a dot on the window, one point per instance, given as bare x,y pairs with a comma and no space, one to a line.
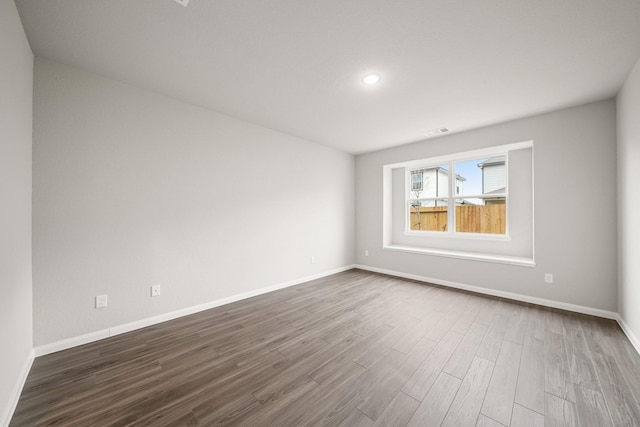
475,205
416,181
459,196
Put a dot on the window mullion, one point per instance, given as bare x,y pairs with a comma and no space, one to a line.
452,200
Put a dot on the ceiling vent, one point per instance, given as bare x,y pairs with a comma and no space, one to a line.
436,132
182,2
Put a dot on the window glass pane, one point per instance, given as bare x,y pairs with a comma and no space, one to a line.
475,218
481,176
416,181
428,215
430,182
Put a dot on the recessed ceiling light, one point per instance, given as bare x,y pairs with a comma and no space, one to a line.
371,78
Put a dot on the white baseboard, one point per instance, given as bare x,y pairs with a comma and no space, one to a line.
142,323
502,294
7,412
71,342
629,333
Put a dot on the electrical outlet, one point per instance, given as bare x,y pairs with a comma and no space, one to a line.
312,260
101,301
155,290
366,252
548,277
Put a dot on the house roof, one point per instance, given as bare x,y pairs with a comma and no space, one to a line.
497,191
493,161
438,168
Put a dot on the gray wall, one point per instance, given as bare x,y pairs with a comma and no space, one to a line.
629,200
574,209
132,188
16,76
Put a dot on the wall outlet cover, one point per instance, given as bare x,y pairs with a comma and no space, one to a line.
101,301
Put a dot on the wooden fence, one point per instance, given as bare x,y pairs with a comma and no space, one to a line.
490,219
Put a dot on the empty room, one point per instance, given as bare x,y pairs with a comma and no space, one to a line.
344,213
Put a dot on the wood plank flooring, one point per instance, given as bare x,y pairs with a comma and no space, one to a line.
352,349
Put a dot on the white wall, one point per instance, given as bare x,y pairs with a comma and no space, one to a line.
628,108
132,188
16,77
575,238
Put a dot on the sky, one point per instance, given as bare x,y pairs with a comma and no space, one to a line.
470,170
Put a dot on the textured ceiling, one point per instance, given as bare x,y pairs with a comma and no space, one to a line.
296,66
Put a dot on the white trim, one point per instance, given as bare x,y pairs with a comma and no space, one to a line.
473,256
465,155
502,294
142,323
635,341
7,412
533,202
459,235
77,341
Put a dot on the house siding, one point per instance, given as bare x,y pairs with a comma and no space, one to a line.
494,178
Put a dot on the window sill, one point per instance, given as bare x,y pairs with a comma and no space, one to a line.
449,235
500,259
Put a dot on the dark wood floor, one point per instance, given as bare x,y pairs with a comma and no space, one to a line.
353,349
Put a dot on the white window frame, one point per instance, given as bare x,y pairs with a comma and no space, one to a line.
450,200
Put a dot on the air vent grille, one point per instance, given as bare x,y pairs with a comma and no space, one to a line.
436,132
